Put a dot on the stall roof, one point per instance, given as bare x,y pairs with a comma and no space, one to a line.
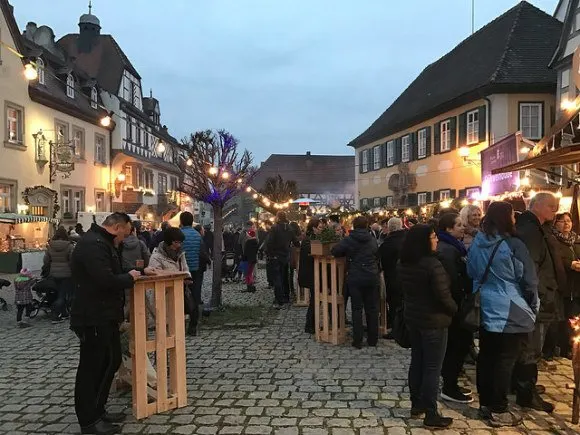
560,156
15,218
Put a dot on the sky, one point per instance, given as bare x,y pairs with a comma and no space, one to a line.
283,76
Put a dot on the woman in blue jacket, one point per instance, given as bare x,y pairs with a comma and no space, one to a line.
509,303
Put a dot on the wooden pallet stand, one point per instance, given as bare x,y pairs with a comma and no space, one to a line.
168,344
382,306
329,274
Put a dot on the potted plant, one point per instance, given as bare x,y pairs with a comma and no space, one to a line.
324,242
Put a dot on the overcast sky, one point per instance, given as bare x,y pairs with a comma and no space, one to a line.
282,76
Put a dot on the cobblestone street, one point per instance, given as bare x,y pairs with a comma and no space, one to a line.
274,380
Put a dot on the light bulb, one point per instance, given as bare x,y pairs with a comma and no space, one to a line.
464,151
525,181
106,121
160,147
225,175
189,162
525,149
30,72
248,189
213,170
255,196
121,177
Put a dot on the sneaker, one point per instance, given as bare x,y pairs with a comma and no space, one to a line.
504,419
456,396
437,421
536,403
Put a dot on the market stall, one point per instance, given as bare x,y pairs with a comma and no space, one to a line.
23,241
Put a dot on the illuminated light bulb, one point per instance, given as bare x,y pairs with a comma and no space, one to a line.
239,181
464,202
532,193
121,177
255,196
106,121
559,194
213,170
160,147
189,162
525,149
248,189
567,105
225,175
525,181
30,72
464,151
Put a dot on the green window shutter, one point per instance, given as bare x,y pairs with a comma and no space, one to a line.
436,196
398,151
437,138
429,197
412,199
383,155
453,132
453,193
462,129
360,163
482,123
428,132
371,158
414,146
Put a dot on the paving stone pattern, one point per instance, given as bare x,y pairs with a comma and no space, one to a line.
273,380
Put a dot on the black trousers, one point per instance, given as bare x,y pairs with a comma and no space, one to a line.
20,310
193,300
279,271
498,353
99,360
365,296
392,298
459,341
525,375
310,321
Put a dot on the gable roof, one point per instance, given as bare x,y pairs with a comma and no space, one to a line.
569,21
106,61
312,173
510,54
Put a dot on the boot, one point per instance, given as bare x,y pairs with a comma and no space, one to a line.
436,420
534,401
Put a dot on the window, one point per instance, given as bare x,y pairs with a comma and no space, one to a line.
129,129
94,98
78,201
364,203
14,124
422,146
148,175
365,160
473,127
100,201
565,78
444,195
577,24
376,202
70,86
445,136
73,201
162,184
136,95
61,132
376,158
129,175
79,142
40,70
531,120
390,153
422,198
389,201
66,201
471,191
126,88
100,149
405,149
8,196
146,139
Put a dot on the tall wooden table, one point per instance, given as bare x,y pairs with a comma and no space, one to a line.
168,344
329,316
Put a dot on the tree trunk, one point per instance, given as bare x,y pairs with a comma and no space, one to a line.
216,286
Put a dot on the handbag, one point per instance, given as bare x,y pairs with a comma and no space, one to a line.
470,309
400,332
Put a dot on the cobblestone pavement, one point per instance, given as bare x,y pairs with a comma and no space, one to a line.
274,380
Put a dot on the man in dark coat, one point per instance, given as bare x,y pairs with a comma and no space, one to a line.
208,239
389,254
96,314
532,230
360,248
277,248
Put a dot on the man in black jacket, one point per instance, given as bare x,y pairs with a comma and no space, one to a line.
277,249
532,230
360,248
96,313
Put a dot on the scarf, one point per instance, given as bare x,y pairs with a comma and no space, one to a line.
169,253
567,240
444,236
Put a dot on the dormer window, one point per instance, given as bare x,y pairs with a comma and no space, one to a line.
70,86
94,98
40,70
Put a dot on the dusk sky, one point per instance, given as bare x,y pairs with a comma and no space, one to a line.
282,76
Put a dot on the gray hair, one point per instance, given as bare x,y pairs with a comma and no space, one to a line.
116,218
394,224
466,211
540,198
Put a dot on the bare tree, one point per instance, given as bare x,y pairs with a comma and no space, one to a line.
214,171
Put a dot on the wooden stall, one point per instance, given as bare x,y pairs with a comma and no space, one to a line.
329,304
167,343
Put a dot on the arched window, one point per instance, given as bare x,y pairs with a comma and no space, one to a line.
70,86
40,70
94,98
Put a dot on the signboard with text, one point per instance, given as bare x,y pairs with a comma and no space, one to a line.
502,153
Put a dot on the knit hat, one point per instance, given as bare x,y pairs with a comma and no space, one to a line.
252,233
26,272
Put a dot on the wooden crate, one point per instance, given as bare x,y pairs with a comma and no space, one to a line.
168,344
329,317
320,249
382,306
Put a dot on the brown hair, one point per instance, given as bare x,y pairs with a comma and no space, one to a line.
498,219
360,222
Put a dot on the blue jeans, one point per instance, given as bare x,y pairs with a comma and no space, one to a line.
427,352
279,273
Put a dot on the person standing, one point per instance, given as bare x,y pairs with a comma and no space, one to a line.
533,228
505,276
192,249
278,251
96,314
251,258
56,265
306,270
362,278
158,236
429,309
208,239
471,218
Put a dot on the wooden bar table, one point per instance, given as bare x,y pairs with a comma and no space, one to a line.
168,344
329,316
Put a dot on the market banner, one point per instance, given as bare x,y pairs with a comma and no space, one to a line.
500,154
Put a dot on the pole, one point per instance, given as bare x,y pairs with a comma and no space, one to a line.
472,16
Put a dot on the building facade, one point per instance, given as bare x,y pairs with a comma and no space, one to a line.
425,147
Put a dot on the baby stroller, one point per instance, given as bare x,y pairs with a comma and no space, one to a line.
3,303
229,266
46,293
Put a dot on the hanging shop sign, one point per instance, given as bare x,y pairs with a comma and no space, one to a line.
503,153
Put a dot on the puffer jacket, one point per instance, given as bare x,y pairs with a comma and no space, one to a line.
509,295
455,265
134,249
427,295
161,260
191,246
360,249
57,258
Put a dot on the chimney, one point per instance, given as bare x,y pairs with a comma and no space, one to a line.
307,153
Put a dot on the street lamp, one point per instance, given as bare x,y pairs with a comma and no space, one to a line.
107,119
30,72
160,147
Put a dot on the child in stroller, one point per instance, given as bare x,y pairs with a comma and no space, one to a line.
229,266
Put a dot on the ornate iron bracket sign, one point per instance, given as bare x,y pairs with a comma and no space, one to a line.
61,159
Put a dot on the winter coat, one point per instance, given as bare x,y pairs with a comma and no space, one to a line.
542,246
251,250
134,249
389,252
204,257
156,239
208,240
99,281
229,241
23,290
509,295
279,240
306,265
455,265
191,246
568,254
57,258
161,260
360,249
